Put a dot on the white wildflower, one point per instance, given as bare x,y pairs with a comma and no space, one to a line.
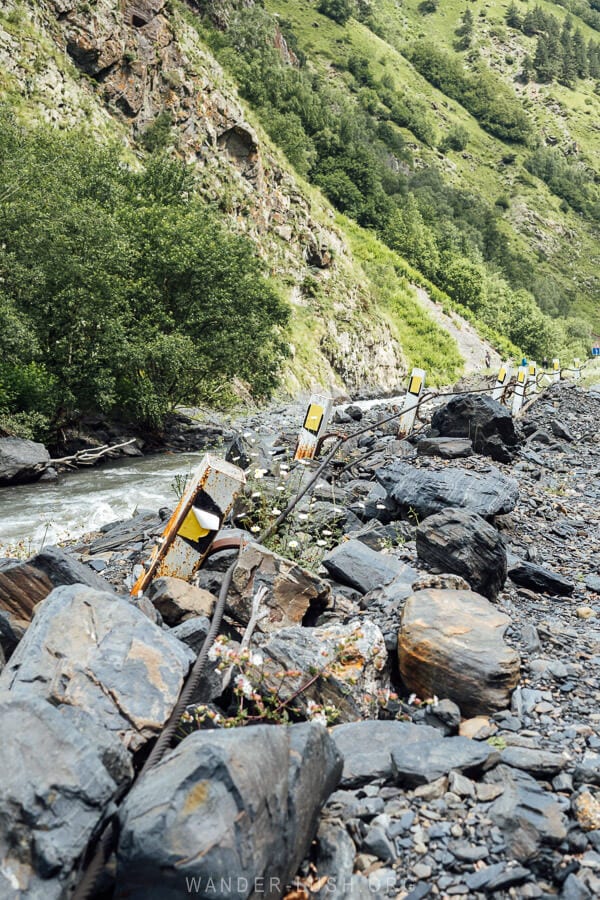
412,699
243,685
275,511
292,544
255,529
257,659
321,543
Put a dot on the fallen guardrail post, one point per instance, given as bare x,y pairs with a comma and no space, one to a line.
520,386
501,382
555,371
198,517
314,425
409,409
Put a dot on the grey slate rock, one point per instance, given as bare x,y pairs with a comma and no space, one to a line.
96,651
60,775
62,568
366,747
445,447
237,804
488,424
592,583
357,565
462,542
20,460
528,816
496,877
425,761
540,763
537,578
10,634
335,858
427,491
117,535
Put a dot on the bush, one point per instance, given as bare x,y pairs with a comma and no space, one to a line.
338,10
456,139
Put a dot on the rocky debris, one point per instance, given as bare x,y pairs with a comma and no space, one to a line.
10,635
357,565
586,807
97,652
177,601
451,644
460,541
21,461
487,423
338,665
537,578
241,807
60,773
445,447
528,816
291,590
423,492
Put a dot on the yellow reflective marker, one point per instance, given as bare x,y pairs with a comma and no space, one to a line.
415,385
191,527
314,417
555,371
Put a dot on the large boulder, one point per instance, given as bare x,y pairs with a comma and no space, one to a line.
24,584
359,566
488,424
451,644
60,774
445,447
97,652
235,808
290,589
337,665
426,491
21,461
461,542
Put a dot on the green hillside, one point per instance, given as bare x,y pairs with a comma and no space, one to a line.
470,173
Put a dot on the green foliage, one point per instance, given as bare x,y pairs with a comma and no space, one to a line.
118,285
561,51
568,178
456,139
338,10
480,92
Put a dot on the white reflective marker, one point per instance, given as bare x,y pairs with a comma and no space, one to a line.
533,389
314,426
415,389
192,528
501,381
519,393
556,371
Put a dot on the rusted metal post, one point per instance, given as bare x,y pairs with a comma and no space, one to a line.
192,528
519,393
501,381
314,426
415,389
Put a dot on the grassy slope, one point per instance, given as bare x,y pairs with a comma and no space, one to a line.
534,222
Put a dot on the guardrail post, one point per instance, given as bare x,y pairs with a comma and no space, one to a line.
532,381
577,369
415,389
519,393
314,425
555,371
192,528
501,381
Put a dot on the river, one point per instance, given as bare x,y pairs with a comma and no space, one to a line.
32,515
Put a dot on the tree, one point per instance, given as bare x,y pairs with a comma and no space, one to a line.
410,237
338,10
513,17
465,282
465,30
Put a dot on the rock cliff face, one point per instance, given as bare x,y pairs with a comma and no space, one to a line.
121,64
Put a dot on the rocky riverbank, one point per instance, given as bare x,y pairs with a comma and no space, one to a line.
428,621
